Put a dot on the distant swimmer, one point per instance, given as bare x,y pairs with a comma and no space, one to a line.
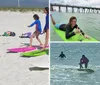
84,60
62,55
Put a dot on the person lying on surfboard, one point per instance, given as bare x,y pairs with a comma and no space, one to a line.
62,55
71,28
38,29
26,35
9,33
84,60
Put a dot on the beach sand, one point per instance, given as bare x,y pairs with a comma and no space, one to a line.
14,70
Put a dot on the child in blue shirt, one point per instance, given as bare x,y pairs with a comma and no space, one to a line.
37,31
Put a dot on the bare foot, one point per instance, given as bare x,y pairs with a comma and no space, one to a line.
30,46
43,49
41,45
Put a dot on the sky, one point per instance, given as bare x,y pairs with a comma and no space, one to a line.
24,3
92,3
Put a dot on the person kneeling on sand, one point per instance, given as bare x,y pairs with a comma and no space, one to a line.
38,30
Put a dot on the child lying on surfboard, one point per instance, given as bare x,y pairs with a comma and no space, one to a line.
26,35
38,29
9,33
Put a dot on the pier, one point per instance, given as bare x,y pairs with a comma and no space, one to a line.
80,9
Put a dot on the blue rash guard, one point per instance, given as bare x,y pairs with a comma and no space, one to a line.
38,23
47,22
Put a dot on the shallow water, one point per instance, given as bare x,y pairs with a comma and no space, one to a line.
64,71
89,23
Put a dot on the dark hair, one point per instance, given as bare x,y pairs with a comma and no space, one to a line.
70,20
12,34
61,51
47,9
36,17
83,55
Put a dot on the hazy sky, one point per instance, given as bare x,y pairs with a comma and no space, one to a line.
94,3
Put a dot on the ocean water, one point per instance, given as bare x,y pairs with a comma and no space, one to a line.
64,71
88,22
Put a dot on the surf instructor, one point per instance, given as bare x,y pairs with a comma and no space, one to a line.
70,29
84,60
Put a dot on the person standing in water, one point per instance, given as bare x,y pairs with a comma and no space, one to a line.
70,29
38,29
46,28
84,60
62,55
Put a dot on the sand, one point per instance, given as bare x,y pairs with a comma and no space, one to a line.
14,70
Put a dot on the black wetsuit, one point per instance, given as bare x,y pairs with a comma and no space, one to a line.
69,30
62,55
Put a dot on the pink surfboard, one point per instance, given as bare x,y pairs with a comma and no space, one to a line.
23,49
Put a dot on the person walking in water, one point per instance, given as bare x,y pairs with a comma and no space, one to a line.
84,60
62,55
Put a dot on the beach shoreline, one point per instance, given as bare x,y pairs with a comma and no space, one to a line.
22,9
14,70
